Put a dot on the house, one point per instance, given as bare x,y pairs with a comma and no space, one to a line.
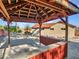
77,31
56,30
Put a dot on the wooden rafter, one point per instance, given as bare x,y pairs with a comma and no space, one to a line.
17,1
45,5
19,13
9,1
58,9
40,9
29,11
50,11
15,9
53,16
36,12
44,12
4,11
39,15
9,6
22,19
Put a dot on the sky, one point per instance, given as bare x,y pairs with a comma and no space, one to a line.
74,19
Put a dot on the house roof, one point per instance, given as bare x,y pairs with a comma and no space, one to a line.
43,25
33,10
49,25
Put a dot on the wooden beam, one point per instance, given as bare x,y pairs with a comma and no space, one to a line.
40,26
2,14
66,32
62,19
42,4
36,12
9,6
17,1
50,4
53,16
24,8
39,15
44,12
50,11
66,35
22,19
4,11
9,1
19,13
29,11
16,9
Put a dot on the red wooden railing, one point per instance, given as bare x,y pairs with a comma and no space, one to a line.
48,41
52,53
59,52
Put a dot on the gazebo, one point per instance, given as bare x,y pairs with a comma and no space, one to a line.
37,11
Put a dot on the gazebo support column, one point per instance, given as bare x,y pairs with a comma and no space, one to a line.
40,24
66,32
7,49
66,35
8,34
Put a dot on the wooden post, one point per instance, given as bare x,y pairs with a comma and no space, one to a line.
66,35
8,33
7,49
40,24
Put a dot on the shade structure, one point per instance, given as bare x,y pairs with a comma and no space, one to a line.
34,10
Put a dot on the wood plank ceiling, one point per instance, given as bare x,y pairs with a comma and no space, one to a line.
35,10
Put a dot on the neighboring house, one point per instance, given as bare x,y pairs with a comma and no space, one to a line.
56,30
77,32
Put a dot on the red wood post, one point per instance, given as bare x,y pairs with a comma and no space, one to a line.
4,53
40,24
66,35
8,33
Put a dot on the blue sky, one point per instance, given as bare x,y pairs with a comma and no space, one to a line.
74,19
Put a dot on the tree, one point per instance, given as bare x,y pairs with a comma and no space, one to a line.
1,27
19,31
12,28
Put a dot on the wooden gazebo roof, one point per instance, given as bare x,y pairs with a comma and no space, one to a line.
34,10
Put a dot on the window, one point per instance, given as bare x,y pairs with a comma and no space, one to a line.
42,28
51,28
62,28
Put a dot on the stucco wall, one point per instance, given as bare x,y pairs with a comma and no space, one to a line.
57,32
